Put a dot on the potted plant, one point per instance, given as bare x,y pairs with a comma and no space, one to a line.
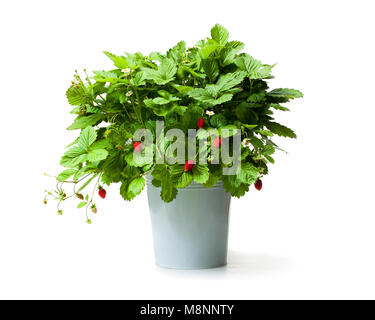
194,124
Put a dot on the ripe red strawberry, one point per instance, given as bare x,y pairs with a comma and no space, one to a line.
258,185
102,193
137,146
217,142
200,123
189,165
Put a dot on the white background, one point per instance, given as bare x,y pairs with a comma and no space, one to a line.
310,233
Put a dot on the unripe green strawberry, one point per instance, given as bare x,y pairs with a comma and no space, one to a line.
93,208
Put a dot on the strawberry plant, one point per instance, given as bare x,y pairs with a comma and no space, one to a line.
211,85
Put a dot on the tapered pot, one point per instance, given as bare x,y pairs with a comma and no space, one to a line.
191,232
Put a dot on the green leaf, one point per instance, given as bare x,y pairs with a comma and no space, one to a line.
207,50
168,191
210,95
66,174
105,75
287,93
227,54
256,97
200,173
100,144
276,106
230,80
156,183
234,186
74,152
182,89
265,132
211,68
240,190
248,173
165,98
247,63
219,34
184,180
245,114
280,130
249,126
113,166
164,74
177,52
180,178
191,117
256,142
202,94
73,156
81,204
136,186
80,159
218,120
87,137
124,191
77,96
254,68
160,100
212,180
97,155
159,171
82,122
139,79
222,99
269,158
268,150
119,61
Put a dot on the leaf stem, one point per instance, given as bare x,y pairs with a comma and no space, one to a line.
138,109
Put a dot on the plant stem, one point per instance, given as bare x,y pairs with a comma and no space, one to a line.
92,196
138,109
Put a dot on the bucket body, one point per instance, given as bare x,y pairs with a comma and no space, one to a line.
191,232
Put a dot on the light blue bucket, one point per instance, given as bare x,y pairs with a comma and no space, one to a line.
191,232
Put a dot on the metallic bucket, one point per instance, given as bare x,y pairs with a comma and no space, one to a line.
191,232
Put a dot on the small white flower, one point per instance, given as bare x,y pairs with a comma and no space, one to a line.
126,70
210,113
129,93
129,141
246,143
